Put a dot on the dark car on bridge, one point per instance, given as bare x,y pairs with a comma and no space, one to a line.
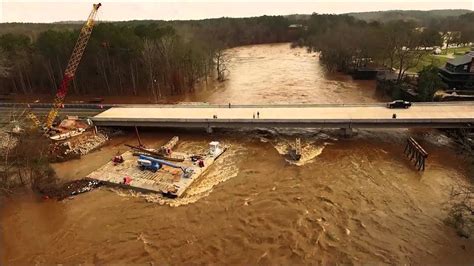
399,104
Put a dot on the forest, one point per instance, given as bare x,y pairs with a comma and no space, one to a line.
131,58
161,58
345,42
423,18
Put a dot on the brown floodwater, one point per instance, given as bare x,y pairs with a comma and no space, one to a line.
355,201
276,74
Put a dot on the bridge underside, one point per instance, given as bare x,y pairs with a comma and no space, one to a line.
285,124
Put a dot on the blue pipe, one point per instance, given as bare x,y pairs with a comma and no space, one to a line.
161,162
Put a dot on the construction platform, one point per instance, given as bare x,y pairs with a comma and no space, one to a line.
167,180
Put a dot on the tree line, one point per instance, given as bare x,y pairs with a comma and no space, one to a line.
159,58
154,58
345,42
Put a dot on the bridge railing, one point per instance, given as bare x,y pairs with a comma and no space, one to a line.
210,105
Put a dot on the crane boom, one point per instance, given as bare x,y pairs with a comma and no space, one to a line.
72,65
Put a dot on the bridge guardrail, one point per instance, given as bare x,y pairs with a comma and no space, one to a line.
209,105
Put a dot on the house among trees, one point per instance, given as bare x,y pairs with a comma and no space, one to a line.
459,72
295,31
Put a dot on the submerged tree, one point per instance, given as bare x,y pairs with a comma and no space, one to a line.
25,163
221,59
461,213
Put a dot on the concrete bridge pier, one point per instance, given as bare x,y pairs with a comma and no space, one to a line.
209,129
347,132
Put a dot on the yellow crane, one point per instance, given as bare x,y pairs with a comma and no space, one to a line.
71,69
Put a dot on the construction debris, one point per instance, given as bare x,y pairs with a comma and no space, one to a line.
85,145
67,135
111,132
69,127
75,138
69,189
77,146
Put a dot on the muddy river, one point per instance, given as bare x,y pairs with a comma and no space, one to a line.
356,200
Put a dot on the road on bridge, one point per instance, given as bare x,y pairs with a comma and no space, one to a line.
430,115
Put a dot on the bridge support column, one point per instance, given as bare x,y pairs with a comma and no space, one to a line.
347,132
209,130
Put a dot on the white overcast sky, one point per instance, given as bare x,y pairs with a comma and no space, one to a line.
51,11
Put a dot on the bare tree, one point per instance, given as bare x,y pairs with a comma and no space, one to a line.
406,59
461,201
149,55
24,162
221,59
461,213
166,47
4,68
406,48
450,37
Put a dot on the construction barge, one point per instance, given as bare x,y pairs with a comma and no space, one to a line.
148,172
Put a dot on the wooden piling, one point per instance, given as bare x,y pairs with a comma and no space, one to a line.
415,153
295,152
138,137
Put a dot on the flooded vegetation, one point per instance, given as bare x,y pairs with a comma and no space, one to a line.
353,201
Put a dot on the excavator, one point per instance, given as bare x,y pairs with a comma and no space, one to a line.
69,73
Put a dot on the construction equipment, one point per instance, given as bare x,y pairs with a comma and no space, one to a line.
155,153
146,164
295,151
118,159
71,69
153,164
215,149
32,117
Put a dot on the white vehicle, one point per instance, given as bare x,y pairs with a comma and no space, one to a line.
215,149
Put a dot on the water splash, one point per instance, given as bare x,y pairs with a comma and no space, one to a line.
310,149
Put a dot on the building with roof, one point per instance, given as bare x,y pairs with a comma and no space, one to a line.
459,72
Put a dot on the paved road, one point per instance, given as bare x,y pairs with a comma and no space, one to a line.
442,115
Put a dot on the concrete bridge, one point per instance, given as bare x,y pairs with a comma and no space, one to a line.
347,116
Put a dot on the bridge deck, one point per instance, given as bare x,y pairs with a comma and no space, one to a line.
376,115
